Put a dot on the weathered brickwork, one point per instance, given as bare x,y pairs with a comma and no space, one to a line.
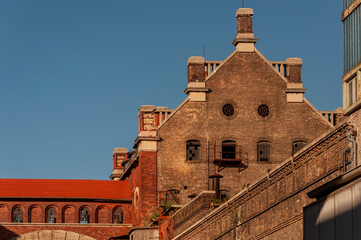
66,212
34,218
272,208
193,211
246,81
144,188
95,231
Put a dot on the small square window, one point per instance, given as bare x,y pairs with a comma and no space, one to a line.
193,150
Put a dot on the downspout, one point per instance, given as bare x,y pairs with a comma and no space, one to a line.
348,150
354,147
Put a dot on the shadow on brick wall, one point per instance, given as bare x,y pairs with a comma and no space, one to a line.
6,234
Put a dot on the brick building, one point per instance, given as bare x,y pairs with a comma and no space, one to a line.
92,209
245,136
315,194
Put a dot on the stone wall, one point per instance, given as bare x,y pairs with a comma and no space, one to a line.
272,207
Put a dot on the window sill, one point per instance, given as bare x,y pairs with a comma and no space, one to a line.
193,161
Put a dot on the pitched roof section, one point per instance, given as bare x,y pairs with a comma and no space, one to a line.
65,188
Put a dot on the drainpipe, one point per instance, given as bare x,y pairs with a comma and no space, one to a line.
354,146
215,177
235,220
348,150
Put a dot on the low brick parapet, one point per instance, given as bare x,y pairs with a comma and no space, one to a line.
193,211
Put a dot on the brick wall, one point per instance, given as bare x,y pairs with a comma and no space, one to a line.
144,188
66,212
193,211
272,207
246,80
8,231
67,218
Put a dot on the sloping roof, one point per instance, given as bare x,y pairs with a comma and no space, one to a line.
65,188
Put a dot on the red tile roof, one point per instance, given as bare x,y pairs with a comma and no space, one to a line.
65,188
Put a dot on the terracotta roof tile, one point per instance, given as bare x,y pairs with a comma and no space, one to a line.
65,188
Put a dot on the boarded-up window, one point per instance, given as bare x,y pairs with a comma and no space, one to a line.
102,215
297,146
69,215
193,150
263,151
35,215
51,215
3,214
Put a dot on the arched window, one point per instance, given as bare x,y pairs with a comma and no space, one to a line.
263,151
297,146
228,150
84,215
51,215
18,215
193,150
223,195
118,216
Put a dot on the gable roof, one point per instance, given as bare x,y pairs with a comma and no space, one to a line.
65,188
271,67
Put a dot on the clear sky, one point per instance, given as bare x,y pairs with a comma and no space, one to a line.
74,73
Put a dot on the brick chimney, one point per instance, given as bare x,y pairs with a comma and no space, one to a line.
196,69
293,70
244,40
119,155
295,88
196,88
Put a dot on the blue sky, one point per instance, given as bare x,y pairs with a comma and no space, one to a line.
74,73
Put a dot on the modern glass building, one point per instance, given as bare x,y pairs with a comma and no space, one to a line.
351,20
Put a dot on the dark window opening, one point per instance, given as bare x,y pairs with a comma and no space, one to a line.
118,216
263,151
84,215
297,146
228,150
51,215
17,215
228,109
263,110
193,150
223,195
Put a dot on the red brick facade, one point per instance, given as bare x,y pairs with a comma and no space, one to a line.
144,187
31,205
